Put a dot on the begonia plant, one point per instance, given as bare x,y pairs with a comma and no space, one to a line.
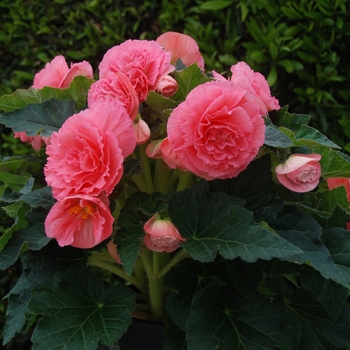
165,192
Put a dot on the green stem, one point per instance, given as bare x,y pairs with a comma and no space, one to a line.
162,176
146,168
182,254
140,182
116,270
185,177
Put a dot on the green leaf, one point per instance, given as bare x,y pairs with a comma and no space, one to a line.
212,222
235,322
333,163
333,198
80,312
330,295
77,91
311,135
276,138
185,280
302,231
39,198
15,182
187,80
294,121
310,324
216,5
40,119
159,102
175,338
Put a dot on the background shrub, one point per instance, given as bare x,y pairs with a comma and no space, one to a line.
301,46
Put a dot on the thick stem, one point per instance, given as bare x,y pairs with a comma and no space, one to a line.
175,260
146,168
185,178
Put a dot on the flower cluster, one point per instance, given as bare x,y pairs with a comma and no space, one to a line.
196,189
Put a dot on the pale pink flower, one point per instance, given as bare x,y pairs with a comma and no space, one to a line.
142,131
253,82
112,250
183,47
57,74
216,132
115,86
334,182
300,172
86,156
161,235
143,61
167,86
169,156
36,141
80,221
153,149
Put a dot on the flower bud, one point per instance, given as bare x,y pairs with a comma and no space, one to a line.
161,235
167,86
112,250
142,131
300,172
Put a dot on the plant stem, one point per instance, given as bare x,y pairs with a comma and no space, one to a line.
182,254
185,177
146,168
116,270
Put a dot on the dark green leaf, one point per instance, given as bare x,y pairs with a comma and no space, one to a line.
235,322
276,138
39,198
307,134
80,312
40,119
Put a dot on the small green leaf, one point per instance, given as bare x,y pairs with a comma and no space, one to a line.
276,138
216,5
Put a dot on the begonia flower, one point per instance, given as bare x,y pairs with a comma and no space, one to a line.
57,74
167,86
216,132
144,62
86,156
115,86
36,141
300,172
161,235
253,82
183,47
79,221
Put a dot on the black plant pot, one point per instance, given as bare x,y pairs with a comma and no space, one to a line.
142,336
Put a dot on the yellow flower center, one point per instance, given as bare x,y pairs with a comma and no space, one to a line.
84,211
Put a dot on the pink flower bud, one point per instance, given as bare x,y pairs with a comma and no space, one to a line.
300,172
153,149
167,86
142,131
161,235
36,141
112,250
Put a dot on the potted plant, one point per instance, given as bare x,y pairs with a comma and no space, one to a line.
166,195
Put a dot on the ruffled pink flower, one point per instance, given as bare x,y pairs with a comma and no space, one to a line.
80,221
167,86
57,74
115,86
161,235
253,82
144,62
216,132
86,155
112,250
300,172
335,182
182,47
142,131
36,141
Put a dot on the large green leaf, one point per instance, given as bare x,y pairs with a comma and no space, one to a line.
77,91
276,138
79,312
39,198
221,318
304,232
310,325
41,118
212,222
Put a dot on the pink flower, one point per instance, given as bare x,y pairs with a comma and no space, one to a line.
144,63
167,86
112,250
216,132
300,172
57,74
161,235
142,131
80,221
334,182
115,86
182,47
86,155
253,82
153,149
36,141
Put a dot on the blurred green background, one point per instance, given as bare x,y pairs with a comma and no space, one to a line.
301,46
